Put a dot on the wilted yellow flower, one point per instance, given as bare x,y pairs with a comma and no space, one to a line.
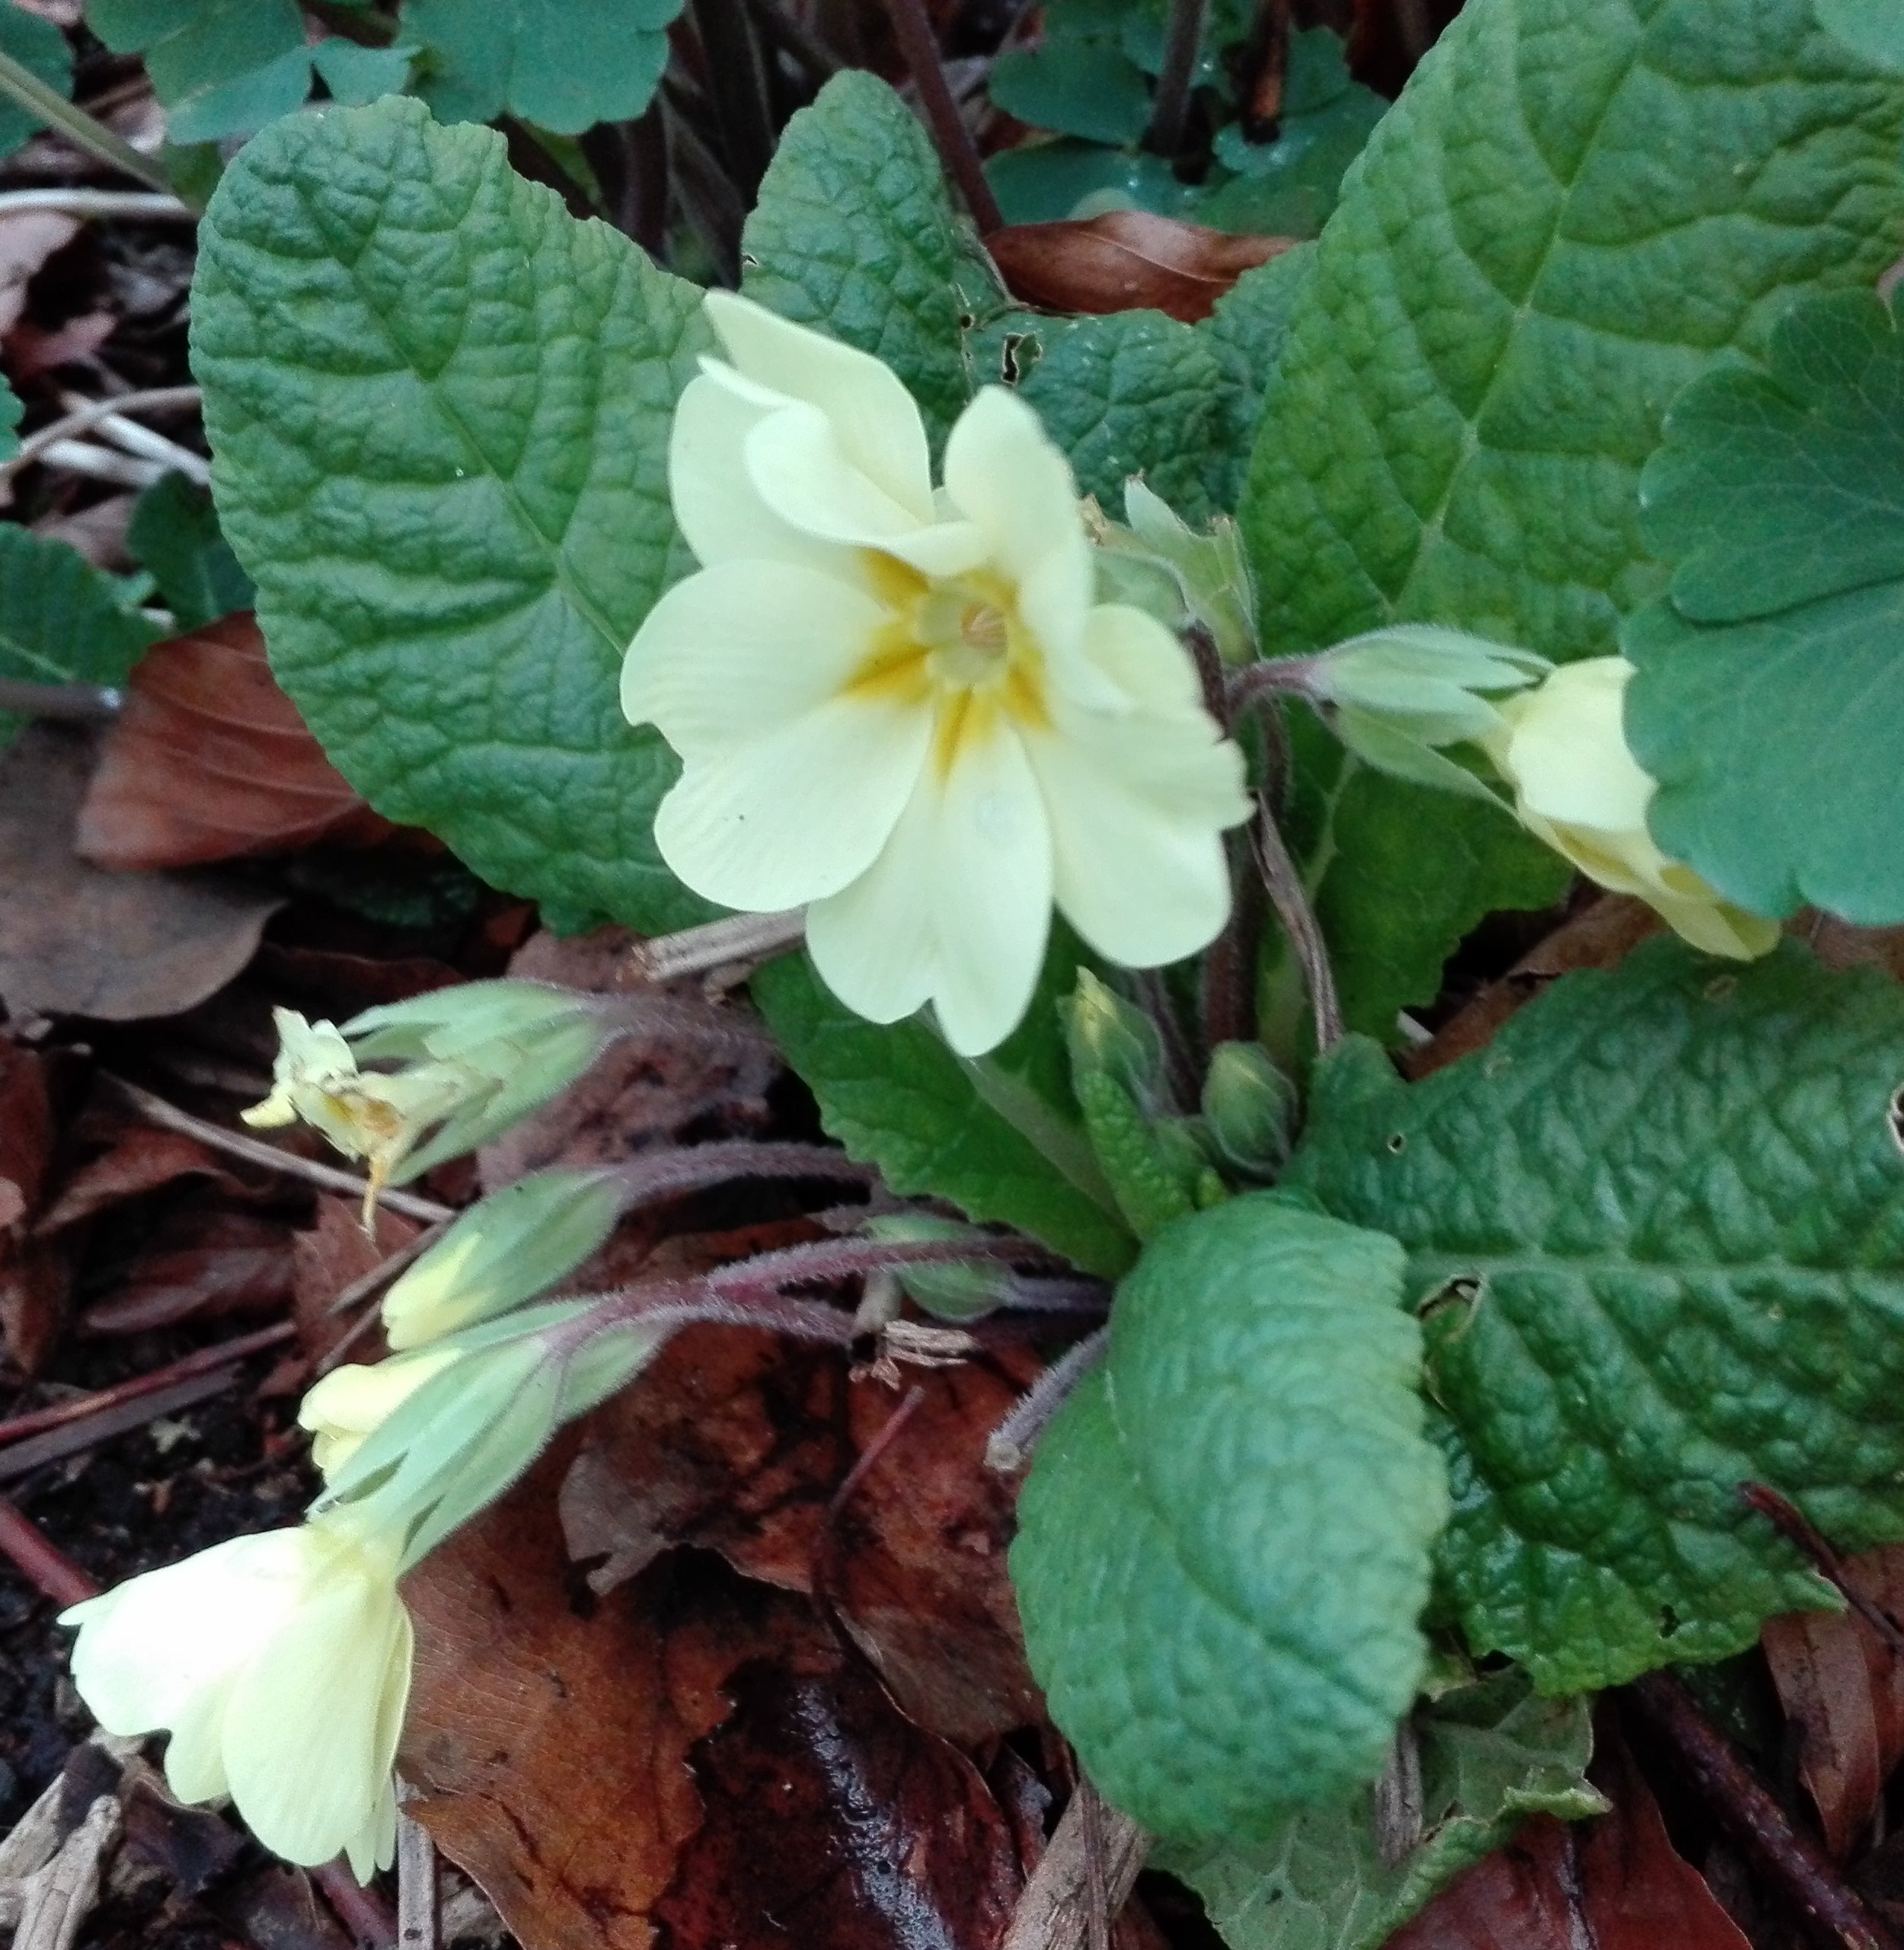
342,1407
281,1664
903,708
1577,786
378,1117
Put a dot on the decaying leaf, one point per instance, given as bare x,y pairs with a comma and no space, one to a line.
33,1271
209,760
1127,260
1842,1685
737,1443
326,1258
141,1159
200,1265
77,941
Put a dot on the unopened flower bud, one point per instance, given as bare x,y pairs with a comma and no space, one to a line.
1108,1036
1249,1109
1578,786
1159,563
955,1290
351,1402
512,1245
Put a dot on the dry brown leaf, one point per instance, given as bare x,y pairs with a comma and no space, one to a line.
77,941
736,1442
644,1090
326,1258
1615,1883
209,760
550,1739
1126,260
201,1265
33,350
831,1822
141,1159
98,530
1842,1685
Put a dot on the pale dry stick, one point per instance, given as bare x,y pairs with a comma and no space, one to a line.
153,206
154,399
61,703
1055,1911
145,445
169,1117
419,1910
717,944
106,463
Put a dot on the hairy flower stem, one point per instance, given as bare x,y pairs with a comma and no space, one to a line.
1010,1445
90,134
1282,882
919,47
717,944
828,1260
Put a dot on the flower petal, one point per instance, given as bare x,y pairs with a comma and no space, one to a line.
793,814
306,1721
797,464
1003,474
957,908
722,518
743,649
1138,801
872,415
1566,752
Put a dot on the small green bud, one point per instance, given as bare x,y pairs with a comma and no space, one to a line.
1249,1110
1395,696
1159,564
954,1290
1107,1036
513,1245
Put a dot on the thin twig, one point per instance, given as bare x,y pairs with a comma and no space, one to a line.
717,944
737,90
204,1360
1169,110
1009,1446
169,1117
419,1911
43,1564
153,206
919,47
367,1917
146,445
1054,1912
1282,882
156,399
55,1445
49,106
81,457
1798,1529
712,204
1790,1861
60,703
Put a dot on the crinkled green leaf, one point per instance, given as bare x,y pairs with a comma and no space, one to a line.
1223,1543
999,1136
1874,27
174,533
564,64
1492,1753
61,620
1082,87
220,67
10,409
1770,700
41,49
1656,1232
440,408
854,234
1520,276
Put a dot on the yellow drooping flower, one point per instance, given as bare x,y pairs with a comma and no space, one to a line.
342,1408
1562,747
280,1663
902,708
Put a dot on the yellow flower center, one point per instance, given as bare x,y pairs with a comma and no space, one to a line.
956,646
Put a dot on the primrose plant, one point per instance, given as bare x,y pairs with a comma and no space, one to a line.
1094,734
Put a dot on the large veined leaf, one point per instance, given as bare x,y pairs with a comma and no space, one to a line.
1655,1232
440,406
1770,699
1223,1543
1576,207
999,1135
1492,1753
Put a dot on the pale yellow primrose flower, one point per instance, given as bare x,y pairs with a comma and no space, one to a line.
1563,749
342,1407
903,709
281,1664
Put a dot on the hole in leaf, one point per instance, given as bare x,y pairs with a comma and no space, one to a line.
1721,988
1397,1143
1669,1621
1894,1117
